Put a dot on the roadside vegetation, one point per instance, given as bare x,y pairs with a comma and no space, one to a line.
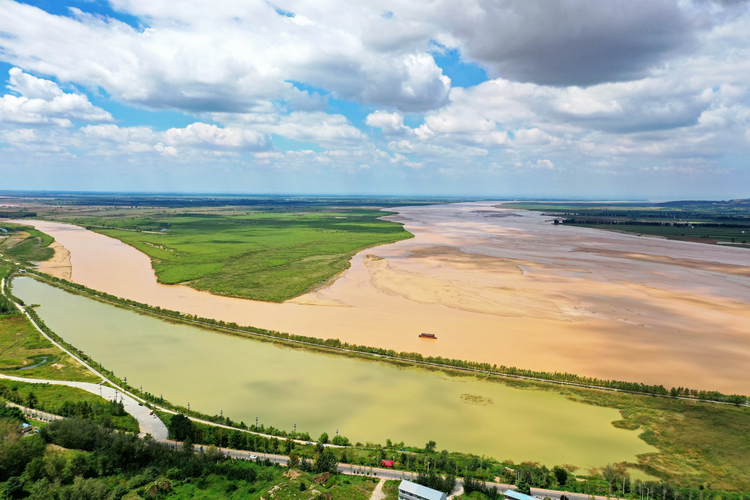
80,459
68,402
24,352
254,255
725,222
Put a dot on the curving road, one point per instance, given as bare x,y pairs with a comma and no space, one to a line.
148,423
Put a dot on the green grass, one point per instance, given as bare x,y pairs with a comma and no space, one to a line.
254,255
390,488
52,398
25,244
273,479
21,345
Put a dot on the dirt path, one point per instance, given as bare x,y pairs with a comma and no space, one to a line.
377,493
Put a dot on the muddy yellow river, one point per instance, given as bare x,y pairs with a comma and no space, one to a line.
498,286
365,400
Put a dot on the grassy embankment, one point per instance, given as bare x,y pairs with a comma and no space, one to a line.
254,255
703,222
24,352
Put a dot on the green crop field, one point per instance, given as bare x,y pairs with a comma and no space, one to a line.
253,255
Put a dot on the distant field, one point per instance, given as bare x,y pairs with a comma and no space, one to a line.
24,243
704,222
254,255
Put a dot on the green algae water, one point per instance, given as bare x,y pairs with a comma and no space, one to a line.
364,400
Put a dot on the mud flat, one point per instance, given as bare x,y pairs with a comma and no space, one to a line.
59,265
501,286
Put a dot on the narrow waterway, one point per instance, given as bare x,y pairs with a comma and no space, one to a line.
364,400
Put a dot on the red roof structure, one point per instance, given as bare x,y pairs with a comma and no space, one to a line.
388,463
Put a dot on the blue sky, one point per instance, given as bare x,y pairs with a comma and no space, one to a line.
564,98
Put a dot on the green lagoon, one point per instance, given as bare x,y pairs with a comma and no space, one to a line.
364,400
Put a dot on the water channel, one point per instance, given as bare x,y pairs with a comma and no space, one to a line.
364,400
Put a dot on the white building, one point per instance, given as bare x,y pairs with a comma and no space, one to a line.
413,491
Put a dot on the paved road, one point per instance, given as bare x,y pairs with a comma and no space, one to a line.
36,414
149,424
555,495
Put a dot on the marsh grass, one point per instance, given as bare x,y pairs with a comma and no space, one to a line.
698,443
21,346
261,256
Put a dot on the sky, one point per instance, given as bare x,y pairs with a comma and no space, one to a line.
623,99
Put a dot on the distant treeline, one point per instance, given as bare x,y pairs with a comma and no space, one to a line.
17,215
271,202
644,223
474,366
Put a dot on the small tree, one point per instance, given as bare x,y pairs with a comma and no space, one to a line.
430,447
323,439
180,427
325,462
561,475
31,400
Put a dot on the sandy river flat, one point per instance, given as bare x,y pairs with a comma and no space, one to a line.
502,286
